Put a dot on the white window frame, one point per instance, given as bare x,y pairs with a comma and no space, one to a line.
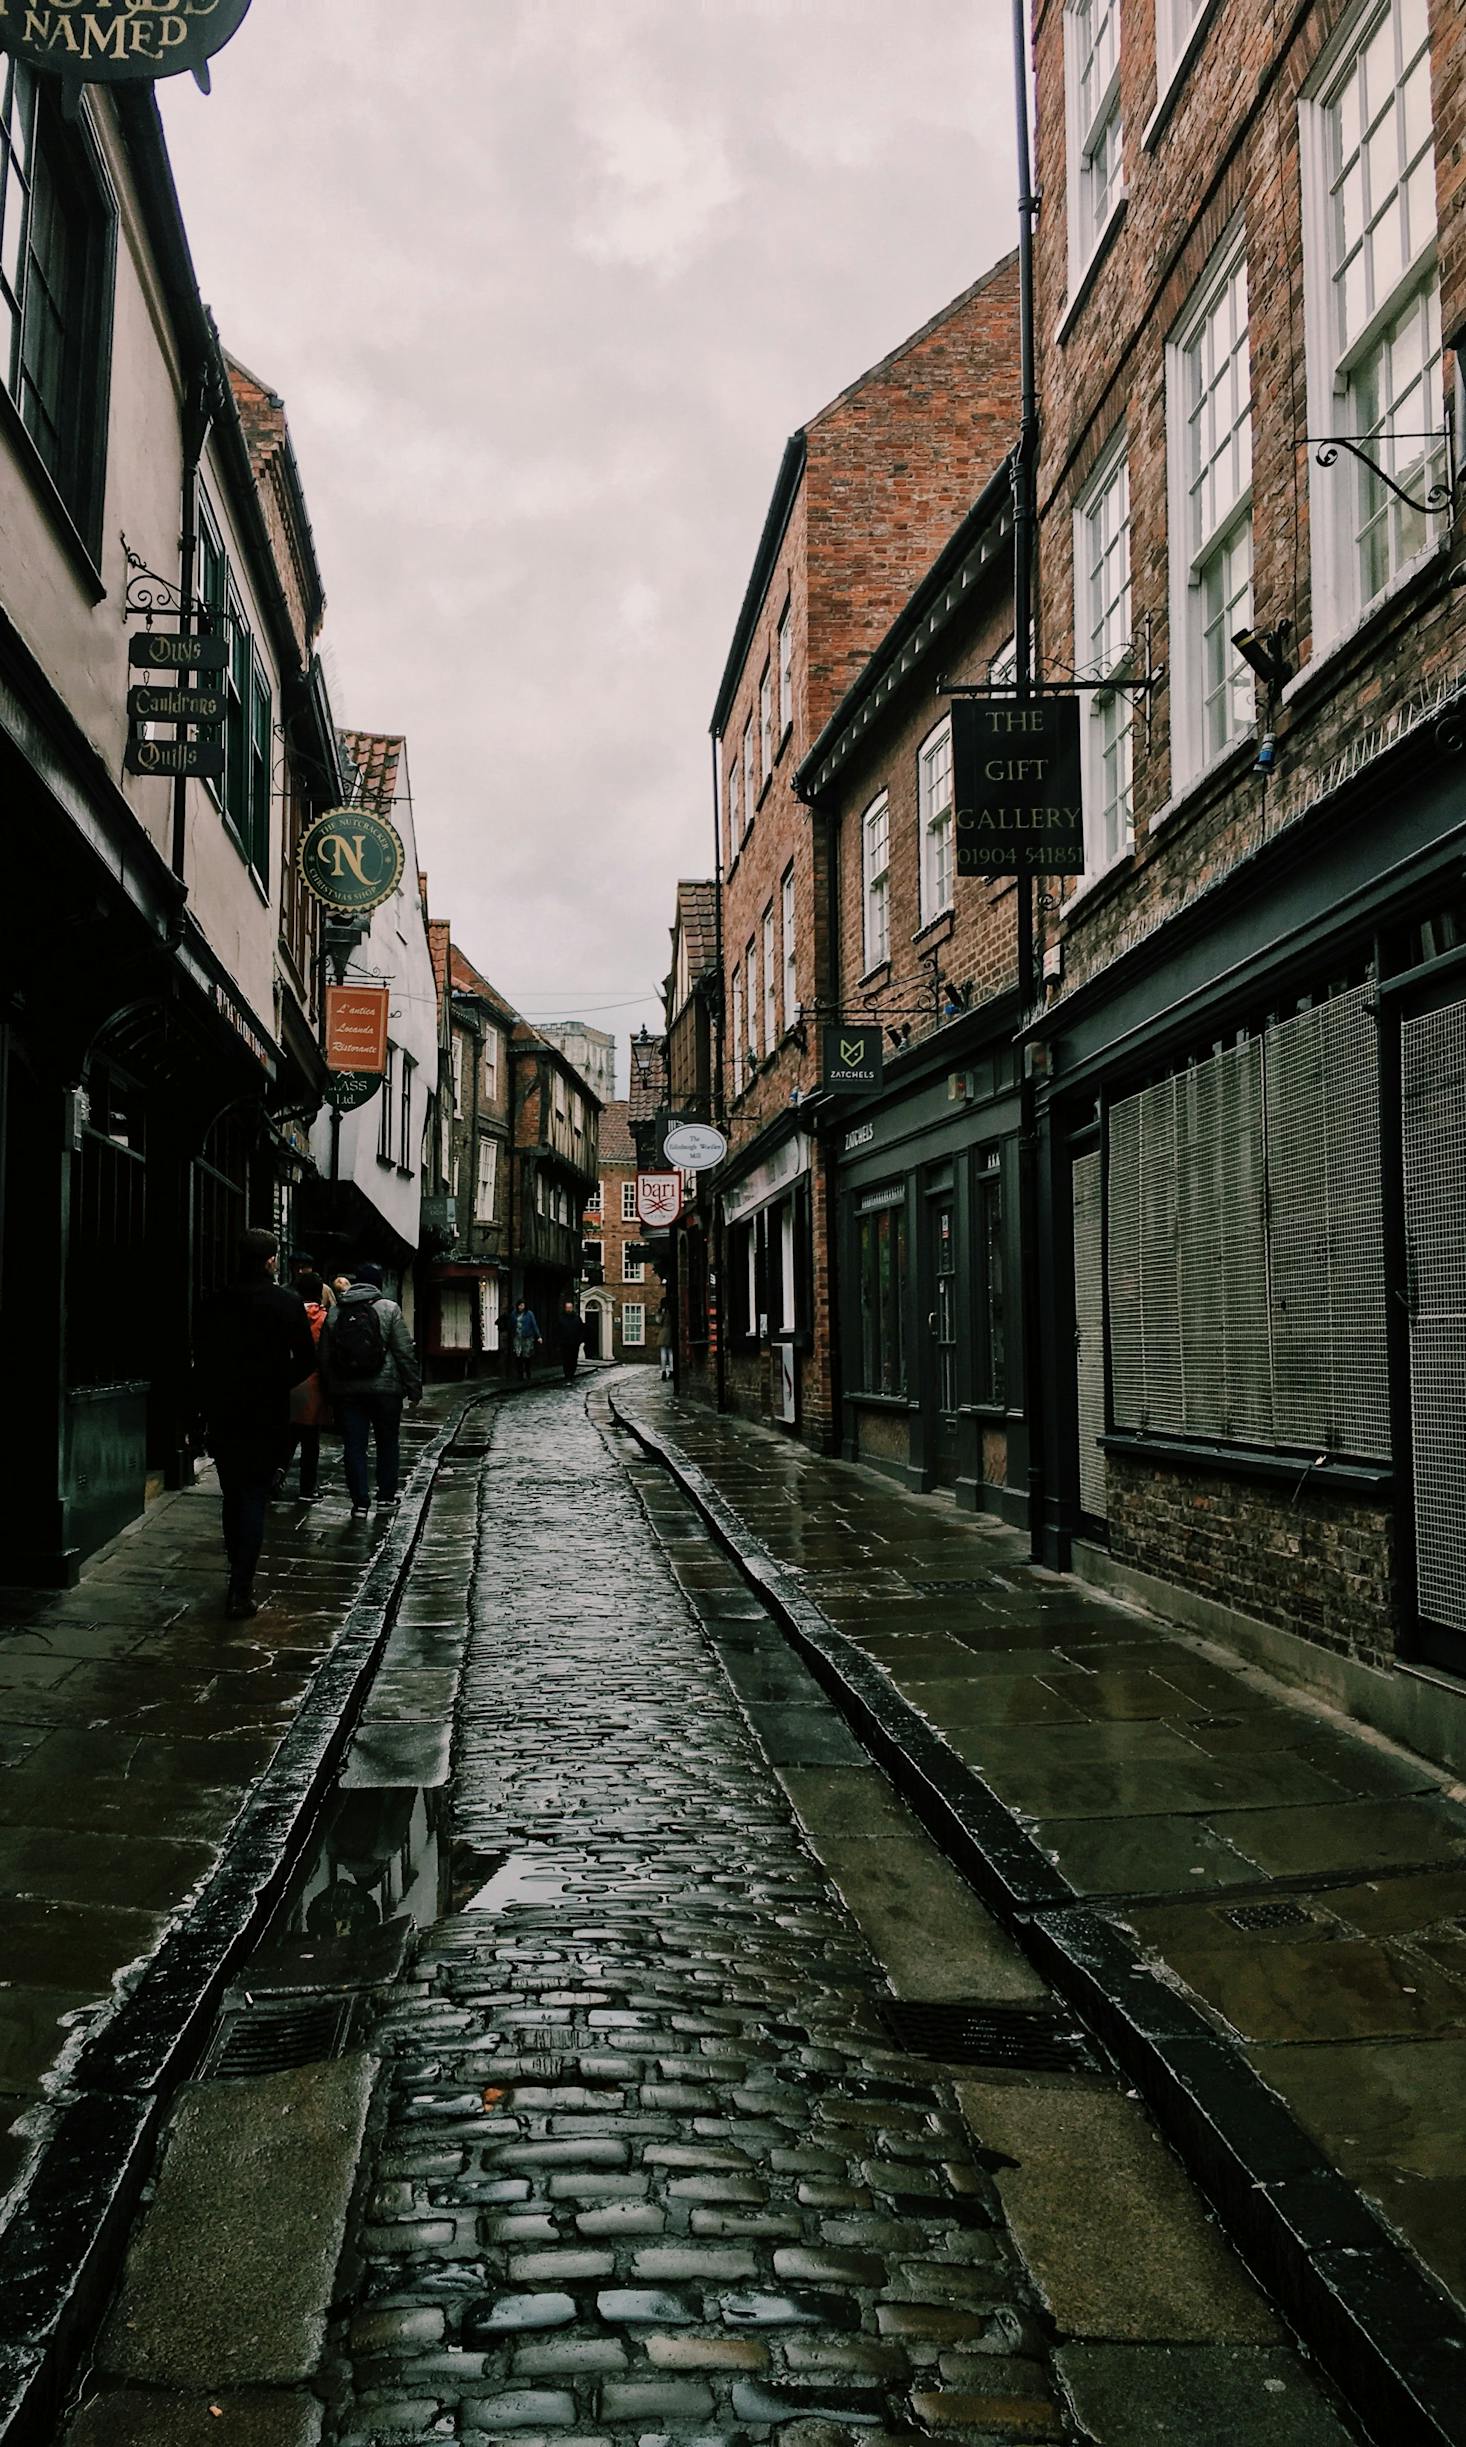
740,1049
771,982
786,917
766,719
875,876
596,1201
750,995
750,776
936,822
1106,715
1096,130
628,1202
1338,360
490,1065
633,1334
633,1269
1206,541
1178,30
487,1181
786,671
458,1070
735,833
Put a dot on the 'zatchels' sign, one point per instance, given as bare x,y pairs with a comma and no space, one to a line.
1015,780
114,42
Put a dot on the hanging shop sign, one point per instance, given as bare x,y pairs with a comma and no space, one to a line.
1015,781
201,759
206,708
658,1198
170,650
116,42
854,1058
347,1090
695,1146
352,859
356,1028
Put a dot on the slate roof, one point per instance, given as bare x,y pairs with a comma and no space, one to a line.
616,1143
377,756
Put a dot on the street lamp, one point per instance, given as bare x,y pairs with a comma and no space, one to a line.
644,1051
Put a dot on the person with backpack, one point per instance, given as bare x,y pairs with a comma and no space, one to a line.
252,1347
369,1365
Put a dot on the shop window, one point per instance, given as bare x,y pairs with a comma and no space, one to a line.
57,246
882,1276
992,1365
1245,1269
221,1202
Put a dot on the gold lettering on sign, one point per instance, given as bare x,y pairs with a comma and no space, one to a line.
346,850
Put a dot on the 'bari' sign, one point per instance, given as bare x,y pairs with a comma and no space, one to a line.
351,859
1015,780
658,1198
356,1028
117,42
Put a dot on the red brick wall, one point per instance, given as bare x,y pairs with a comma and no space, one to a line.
613,1234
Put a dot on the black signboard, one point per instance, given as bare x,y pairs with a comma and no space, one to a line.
166,650
208,706
351,859
853,1057
199,758
348,1089
104,42
1015,780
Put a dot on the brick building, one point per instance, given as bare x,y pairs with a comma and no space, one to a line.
554,1128
623,1292
1252,248
469,1268
692,1001
867,494
923,1176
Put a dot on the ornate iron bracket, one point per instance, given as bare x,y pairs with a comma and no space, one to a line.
1327,446
150,597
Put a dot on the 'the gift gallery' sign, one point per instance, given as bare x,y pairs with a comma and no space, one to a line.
1016,782
114,42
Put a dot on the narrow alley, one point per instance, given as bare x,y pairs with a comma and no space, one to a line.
653,2152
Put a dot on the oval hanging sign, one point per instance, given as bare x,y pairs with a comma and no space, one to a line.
351,859
695,1146
117,42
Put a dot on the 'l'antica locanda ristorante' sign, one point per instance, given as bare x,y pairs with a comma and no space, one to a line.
110,42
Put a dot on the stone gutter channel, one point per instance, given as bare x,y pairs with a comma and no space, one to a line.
62,2246
1391,2341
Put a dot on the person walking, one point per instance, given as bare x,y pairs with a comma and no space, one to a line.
369,1365
308,1401
666,1341
253,1345
570,1333
527,1339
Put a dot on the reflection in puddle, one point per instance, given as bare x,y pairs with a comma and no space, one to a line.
382,1854
522,1878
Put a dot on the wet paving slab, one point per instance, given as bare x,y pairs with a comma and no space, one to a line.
1169,1783
134,1722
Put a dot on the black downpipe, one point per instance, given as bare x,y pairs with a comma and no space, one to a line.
1025,524
719,1288
828,1139
197,418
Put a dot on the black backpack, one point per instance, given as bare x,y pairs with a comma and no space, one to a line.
358,1345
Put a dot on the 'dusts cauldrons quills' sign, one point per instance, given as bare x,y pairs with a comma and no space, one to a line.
113,42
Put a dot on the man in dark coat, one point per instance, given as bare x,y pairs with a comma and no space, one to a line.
570,1334
254,1343
369,1364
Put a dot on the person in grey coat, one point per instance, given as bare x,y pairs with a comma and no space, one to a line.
369,1366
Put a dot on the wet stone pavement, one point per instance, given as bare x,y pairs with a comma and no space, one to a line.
649,2166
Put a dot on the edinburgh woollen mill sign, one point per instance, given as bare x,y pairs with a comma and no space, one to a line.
116,42
1015,781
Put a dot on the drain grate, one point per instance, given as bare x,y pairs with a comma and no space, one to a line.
949,1588
276,2034
1018,2038
1269,1916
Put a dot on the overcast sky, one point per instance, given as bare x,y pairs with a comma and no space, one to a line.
546,285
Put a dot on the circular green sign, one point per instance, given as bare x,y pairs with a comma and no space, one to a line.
348,1089
99,42
352,860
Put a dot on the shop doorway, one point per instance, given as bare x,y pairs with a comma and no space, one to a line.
942,1323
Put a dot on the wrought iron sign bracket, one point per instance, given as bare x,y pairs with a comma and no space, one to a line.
150,597
1440,497
1142,684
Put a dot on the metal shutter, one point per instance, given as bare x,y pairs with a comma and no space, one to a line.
1224,1324
1433,1095
1160,1260
1127,1353
1089,1331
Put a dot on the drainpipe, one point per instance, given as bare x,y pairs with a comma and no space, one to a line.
827,1137
1025,525
720,1305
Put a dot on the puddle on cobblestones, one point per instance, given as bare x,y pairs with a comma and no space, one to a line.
521,1878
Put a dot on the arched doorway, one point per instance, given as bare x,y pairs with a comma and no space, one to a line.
598,1344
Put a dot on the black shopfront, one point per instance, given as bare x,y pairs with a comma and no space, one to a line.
926,1207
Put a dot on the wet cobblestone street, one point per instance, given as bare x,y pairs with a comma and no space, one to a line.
651,2167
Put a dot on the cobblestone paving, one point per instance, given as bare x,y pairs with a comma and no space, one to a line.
650,2170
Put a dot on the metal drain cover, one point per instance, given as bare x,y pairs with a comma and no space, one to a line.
1017,2038
1269,1916
950,1588
276,2034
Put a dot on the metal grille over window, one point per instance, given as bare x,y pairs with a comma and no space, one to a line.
1089,1331
1246,1251
1433,1091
